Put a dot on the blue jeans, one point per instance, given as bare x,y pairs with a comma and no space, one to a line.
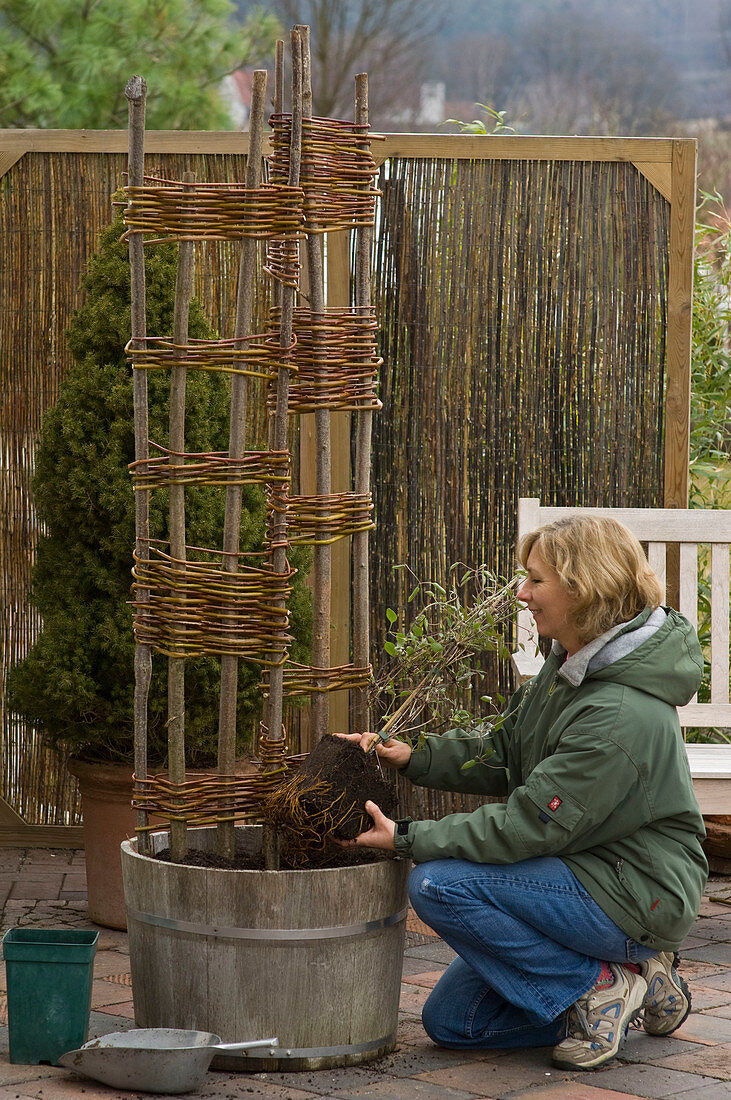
530,941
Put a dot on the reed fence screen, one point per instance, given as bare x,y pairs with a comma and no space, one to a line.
523,312
534,308
53,205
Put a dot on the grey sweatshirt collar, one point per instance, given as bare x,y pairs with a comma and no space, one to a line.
607,648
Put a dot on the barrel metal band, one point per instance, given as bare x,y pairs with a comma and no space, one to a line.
268,935
277,1054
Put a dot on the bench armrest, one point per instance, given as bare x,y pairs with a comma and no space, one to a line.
526,665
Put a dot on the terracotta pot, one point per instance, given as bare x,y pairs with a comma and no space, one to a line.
717,844
108,820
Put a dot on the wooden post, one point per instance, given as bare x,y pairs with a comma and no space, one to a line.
176,665
281,413
680,316
338,291
136,92
237,447
680,312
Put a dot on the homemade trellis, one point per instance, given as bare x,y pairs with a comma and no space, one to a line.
191,601
474,413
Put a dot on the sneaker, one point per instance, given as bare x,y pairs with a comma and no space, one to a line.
598,1021
667,1001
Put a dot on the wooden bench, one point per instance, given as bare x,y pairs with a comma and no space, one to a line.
691,529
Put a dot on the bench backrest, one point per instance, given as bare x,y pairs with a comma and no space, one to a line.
696,531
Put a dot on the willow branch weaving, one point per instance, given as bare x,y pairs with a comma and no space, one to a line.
212,211
321,520
334,359
230,356
305,679
211,798
196,607
272,468
337,171
283,261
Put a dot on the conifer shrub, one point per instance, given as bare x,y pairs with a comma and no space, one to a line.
76,683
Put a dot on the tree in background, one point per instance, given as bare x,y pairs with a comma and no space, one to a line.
64,63
564,72
388,39
710,435
586,75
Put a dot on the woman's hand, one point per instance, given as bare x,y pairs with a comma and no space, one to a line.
396,754
379,836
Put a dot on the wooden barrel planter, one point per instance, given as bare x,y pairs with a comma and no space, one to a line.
313,957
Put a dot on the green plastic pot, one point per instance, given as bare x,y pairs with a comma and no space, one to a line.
49,975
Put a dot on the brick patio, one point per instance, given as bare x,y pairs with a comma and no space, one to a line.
48,888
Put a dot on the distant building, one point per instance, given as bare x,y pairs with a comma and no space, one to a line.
432,99
236,92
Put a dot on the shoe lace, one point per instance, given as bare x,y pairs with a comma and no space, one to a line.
583,1023
578,1025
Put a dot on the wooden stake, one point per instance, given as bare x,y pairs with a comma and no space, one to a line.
321,566
136,92
176,665
278,110
361,580
237,444
274,702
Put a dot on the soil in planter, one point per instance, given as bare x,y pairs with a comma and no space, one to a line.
244,861
323,799
326,799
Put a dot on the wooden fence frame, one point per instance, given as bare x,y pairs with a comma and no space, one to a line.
668,164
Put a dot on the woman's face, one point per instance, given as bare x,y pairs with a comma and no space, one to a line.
549,603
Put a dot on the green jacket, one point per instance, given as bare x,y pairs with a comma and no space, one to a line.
591,758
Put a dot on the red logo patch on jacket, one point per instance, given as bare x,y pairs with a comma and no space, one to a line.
554,803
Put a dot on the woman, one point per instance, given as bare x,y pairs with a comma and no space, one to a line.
565,903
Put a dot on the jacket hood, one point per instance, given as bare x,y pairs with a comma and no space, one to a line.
657,652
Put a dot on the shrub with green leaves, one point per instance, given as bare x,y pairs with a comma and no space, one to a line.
431,679
710,410
76,683
710,430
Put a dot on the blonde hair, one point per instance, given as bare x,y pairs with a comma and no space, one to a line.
601,565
